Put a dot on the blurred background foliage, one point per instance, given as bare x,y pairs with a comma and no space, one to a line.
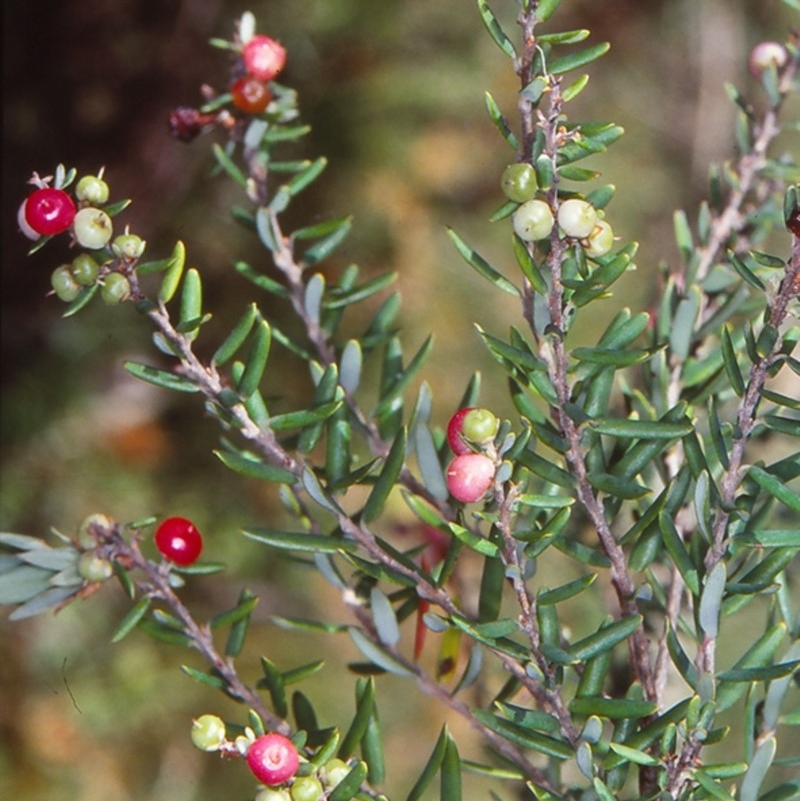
394,91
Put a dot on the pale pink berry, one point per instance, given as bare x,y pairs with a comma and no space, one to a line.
469,476
263,57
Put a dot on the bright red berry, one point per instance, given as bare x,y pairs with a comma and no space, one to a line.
469,476
263,57
250,95
273,758
49,211
178,540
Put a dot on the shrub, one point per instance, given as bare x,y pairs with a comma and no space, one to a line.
660,461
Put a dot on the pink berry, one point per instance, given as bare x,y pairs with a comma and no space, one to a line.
469,476
454,431
178,540
49,211
765,54
273,758
263,57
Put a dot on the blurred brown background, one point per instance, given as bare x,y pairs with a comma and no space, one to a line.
394,91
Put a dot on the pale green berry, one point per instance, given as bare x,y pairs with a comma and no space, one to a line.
63,283
94,568
92,228
94,522
480,425
84,269
577,218
306,788
92,189
518,182
116,288
128,246
333,772
600,241
208,732
533,220
273,794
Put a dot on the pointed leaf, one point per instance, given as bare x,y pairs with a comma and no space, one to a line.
475,260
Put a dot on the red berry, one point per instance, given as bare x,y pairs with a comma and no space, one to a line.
178,540
250,95
49,211
186,123
273,758
454,431
469,476
263,57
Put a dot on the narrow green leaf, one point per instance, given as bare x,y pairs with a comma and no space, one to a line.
711,600
775,487
680,658
604,639
384,617
237,336
614,708
677,550
303,711
327,245
642,429
495,31
301,541
611,357
682,331
227,164
365,709
205,678
528,266
248,465
545,8
431,767
491,590
428,462
475,541
731,363
574,61
401,382
238,633
500,122
128,623
376,655
173,273
572,91
450,774
304,417
524,736
617,487
161,378
388,477
475,260
757,772
306,176
350,784
52,597
632,755
238,613
772,538
571,588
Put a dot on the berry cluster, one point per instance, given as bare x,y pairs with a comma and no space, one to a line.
262,60
534,220
470,434
273,759
50,210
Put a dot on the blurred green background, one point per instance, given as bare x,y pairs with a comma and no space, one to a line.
394,91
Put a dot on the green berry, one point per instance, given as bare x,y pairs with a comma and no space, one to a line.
92,189
333,772
480,425
94,568
600,241
533,220
128,246
116,288
63,283
518,182
92,228
272,794
94,522
577,218
84,269
306,788
208,732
